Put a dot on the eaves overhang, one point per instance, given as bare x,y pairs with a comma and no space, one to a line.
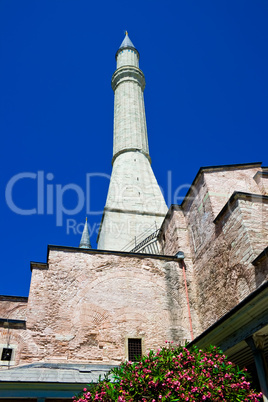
49,380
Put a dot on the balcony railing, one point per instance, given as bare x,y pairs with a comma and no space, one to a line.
145,243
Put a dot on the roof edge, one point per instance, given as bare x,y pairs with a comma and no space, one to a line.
234,310
81,366
14,298
172,208
111,252
38,265
206,169
239,195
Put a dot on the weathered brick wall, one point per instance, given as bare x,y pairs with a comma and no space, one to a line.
261,269
224,274
22,342
174,233
221,253
13,307
261,178
199,217
255,218
84,306
174,237
222,183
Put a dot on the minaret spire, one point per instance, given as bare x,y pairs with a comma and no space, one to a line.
126,43
134,201
85,239
128,83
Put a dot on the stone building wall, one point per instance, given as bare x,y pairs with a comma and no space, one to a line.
174,237
221,183
174,233
255,217
261,178
224,273
261,267
221,236
13,307
21,342
198,212
13,311
84,305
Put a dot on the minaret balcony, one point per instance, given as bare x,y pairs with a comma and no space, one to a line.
128,73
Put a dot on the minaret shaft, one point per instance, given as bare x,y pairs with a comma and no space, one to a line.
130,130
134,201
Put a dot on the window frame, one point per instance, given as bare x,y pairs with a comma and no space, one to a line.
10,362
128,338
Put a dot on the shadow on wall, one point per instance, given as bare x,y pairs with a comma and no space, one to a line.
175,301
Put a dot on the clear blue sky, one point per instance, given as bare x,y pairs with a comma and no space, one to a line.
205,64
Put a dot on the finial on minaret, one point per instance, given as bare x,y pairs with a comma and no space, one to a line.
126,32
85,239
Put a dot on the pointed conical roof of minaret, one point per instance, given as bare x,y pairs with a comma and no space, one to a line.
85,239
126,42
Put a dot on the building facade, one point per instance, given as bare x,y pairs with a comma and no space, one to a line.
196,272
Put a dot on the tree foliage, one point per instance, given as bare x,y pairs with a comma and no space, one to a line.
174,374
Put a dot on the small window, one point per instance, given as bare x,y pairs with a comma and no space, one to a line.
134,349
6,354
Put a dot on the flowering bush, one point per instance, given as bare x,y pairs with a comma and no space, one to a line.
174,374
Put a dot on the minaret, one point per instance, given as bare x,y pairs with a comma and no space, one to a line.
134,202
85,239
